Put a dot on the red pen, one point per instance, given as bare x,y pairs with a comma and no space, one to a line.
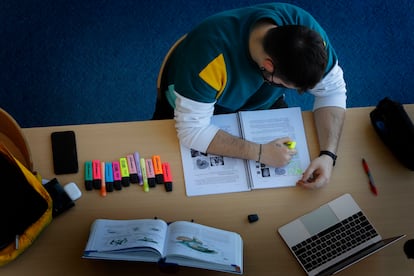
370,179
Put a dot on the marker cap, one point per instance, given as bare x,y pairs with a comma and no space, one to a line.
151,182
168,186
109,186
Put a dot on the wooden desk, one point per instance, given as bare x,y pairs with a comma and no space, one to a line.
59,248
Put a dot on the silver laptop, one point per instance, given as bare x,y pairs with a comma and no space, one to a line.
333,237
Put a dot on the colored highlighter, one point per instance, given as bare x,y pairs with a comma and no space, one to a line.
88,176
103,186
109,177
133,175
159,177
96,174
291,144
116,170
144,175
124,171
138,166
150,173
168,181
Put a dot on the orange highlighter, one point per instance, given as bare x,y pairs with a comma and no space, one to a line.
103,184
159,177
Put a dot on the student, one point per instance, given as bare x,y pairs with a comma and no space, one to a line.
247,59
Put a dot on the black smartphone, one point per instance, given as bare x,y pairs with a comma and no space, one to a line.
61,200
65,156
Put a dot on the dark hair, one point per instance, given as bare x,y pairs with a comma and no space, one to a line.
298,53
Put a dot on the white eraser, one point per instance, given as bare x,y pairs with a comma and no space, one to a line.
72,190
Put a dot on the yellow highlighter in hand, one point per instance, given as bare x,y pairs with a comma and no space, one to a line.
291,144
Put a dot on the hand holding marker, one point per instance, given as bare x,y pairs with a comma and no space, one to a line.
291,144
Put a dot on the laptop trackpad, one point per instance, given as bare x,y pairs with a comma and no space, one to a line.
320,219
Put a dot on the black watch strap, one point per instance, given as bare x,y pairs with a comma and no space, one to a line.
330,154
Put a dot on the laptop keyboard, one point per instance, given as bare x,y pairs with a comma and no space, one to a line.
334,241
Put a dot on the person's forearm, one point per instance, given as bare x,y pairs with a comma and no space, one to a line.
329,123
232,146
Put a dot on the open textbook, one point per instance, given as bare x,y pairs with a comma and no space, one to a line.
206,174
179,243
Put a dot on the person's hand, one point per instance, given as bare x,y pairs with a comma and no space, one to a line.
318,173
276,153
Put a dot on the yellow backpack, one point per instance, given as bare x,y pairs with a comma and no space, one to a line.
26,205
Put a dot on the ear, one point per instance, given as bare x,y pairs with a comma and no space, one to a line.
268,65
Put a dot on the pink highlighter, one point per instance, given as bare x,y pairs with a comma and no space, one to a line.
96,174
116,167
150,173
133,174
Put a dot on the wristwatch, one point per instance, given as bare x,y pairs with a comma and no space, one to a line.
330,154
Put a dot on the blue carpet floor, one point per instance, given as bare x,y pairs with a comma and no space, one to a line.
92,61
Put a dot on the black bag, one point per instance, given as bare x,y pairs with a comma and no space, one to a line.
395,129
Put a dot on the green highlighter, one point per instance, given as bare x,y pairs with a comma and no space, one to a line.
88,175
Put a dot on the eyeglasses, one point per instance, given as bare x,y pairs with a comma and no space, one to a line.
268,78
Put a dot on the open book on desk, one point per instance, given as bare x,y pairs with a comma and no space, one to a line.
206,174
180,243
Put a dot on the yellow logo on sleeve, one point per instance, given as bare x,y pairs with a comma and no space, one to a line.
215,75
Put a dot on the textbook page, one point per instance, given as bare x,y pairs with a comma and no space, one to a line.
130,240
196,245
263,126
206,174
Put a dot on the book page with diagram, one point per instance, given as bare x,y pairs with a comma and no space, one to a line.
206,174
196,245
263,126
133,240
